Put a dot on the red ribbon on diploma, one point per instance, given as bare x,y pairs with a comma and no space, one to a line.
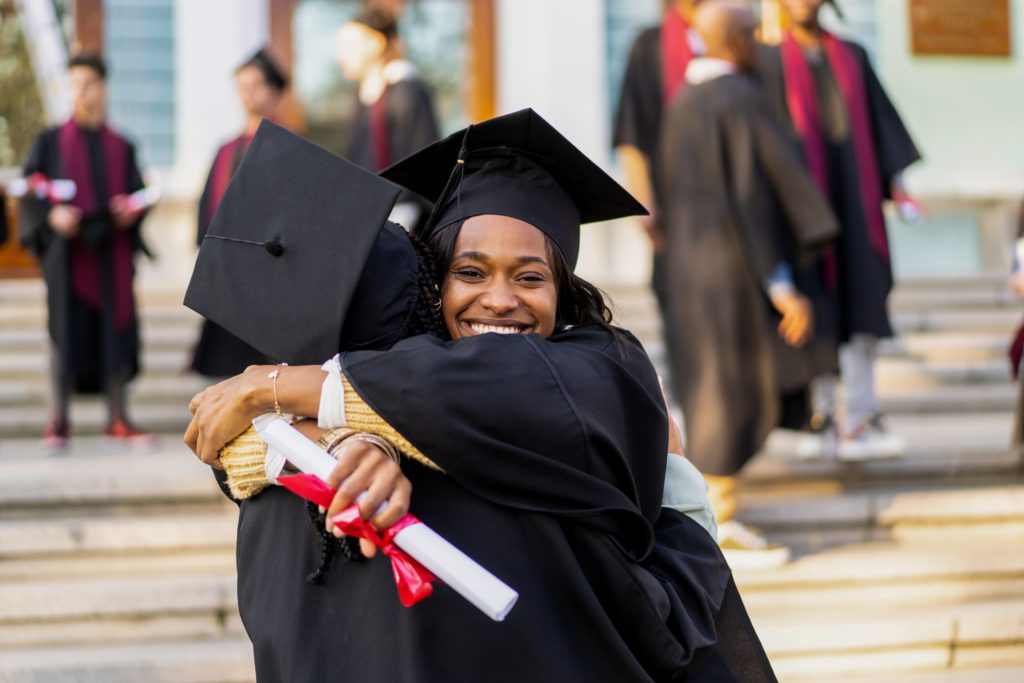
412,578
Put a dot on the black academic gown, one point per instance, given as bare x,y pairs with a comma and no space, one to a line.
739,204
411,126
638,122
554,460
1018,423
864,277
90,345
218,353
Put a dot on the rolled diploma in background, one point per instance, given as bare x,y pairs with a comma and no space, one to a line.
467,578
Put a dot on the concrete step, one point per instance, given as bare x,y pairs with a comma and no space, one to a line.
820,506
36,364
814,645
201,660
990,397
957,447
89,417
892,572
141,533
122,597
34,339
94,474
67,567
32,316
973,674
173,390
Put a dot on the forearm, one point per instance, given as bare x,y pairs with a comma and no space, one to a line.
298,389
637,174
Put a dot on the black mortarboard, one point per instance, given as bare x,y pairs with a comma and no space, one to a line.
272,73
287,247
515,165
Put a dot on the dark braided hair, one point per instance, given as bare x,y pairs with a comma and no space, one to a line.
329,545
424,308
423,316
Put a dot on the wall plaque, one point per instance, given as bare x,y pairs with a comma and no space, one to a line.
960,27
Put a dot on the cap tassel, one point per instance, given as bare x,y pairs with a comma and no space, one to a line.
454,181
273,246
838,10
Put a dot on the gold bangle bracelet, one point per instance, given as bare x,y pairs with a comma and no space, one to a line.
371,438
332,437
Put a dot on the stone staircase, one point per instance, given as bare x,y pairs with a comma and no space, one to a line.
117,563
914,564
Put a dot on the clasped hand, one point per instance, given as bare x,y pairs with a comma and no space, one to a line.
225,410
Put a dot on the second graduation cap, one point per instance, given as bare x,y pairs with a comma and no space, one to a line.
285,251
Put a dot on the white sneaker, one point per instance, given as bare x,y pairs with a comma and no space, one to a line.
822,441
870,441
745,548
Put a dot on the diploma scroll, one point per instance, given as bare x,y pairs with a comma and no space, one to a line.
480,587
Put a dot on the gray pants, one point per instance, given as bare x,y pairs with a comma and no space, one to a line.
857,365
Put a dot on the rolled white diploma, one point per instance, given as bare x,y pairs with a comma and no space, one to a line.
487,592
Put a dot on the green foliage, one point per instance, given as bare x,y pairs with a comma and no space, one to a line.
21,107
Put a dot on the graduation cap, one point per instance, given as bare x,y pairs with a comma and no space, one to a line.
272,73
519,166
286,250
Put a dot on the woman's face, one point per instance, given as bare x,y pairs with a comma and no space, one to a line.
500,280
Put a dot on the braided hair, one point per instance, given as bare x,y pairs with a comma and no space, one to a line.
423,316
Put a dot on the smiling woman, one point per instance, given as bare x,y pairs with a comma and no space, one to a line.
532,434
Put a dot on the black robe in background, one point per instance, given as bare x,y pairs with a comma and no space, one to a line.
739,204
219,353
638,123
90,345
411,126
865,278
554,459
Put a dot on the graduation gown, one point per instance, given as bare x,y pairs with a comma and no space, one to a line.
638,123
739,204
92,317
400,122
864,276
553,482
218,353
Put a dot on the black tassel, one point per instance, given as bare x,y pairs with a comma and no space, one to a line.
453,183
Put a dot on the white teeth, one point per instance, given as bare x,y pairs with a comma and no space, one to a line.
497,329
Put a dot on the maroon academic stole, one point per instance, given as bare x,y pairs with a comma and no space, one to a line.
675,55
803,108
85,261
379,132
223,169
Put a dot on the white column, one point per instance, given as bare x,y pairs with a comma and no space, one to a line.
552,56
212,39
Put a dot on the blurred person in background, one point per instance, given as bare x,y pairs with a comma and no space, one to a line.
740,214
86,248
654,76
394,108
1016,285
261,84
824,91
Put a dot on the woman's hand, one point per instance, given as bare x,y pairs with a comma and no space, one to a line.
222,412
362,466
1016,283
797,324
